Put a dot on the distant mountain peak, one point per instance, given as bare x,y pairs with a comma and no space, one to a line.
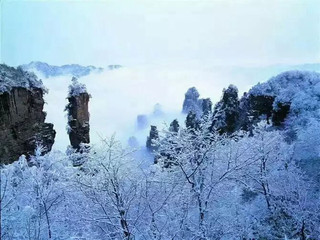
76,70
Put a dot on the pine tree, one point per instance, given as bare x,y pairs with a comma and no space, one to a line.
153,136
174,126
192,121
226,112
206,106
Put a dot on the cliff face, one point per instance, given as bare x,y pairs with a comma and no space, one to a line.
197,105
22,125
78,113
192,102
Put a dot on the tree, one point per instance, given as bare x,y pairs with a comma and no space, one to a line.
206,107
226,112
282,185
192,122
111,183
174,126
152,138
33,198
194,157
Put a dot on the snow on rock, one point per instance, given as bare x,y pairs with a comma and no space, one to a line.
290,86
298,90
22,119
76,88
11,77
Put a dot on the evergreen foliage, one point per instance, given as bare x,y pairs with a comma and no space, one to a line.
152,138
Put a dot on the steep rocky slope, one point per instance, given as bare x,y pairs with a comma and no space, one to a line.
22,120
289,100
193,103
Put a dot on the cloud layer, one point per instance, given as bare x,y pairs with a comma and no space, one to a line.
118,96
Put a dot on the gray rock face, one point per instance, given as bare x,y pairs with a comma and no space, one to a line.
78,113
142,121
255,106
157,110
192,102
22,125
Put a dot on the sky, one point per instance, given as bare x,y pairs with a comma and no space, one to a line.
137,33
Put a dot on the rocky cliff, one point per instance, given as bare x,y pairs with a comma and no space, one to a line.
22,119
78,114
287,101
192,103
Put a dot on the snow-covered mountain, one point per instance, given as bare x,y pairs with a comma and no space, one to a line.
71,69
11,77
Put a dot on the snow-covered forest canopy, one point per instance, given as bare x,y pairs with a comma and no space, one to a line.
246,168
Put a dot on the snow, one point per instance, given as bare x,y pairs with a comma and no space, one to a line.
11,77
287,84
301,89
76,88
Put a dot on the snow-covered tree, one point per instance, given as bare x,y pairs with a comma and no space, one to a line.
152,138
111,183
174,126
206,106
76,88
33,198
192,122
195,158
226,111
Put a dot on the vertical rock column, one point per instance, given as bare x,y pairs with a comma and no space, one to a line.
78,115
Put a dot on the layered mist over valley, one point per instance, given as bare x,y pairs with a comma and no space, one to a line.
120,96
